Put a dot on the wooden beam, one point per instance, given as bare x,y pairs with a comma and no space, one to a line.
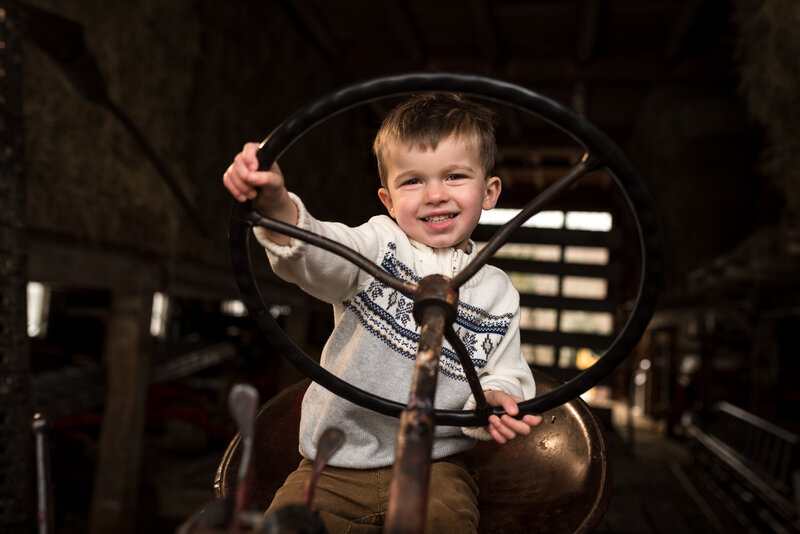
610,270
311,23
55,259
588,30
565,303
630,68
547,236
683,24
532,72
593,341
116,485
488,36
540,177
406,29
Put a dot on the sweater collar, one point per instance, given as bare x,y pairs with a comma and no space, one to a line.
448,261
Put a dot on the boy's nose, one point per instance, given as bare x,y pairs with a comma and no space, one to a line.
435,193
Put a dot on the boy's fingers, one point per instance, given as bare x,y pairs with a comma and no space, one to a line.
532,419
264,180
502,427
496,435
517,426
249,152
241,167
236,187
510,406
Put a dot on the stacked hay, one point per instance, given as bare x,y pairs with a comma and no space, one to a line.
769,52
86,176
197,80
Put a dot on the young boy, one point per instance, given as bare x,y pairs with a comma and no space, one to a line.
435,155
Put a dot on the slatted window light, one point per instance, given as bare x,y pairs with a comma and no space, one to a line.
535,284
159,315
543,219
538,319
592,221
586,322
561,264
544,355
578,357
528,251
38,297
584,287
586,255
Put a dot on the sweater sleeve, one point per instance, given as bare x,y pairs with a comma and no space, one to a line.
318,272
506,370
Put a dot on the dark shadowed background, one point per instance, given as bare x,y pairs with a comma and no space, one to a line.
118,120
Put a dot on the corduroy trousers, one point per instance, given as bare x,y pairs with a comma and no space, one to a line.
354,501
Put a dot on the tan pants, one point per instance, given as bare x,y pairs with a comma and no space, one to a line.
354,501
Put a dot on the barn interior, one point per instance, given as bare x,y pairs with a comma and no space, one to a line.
122,326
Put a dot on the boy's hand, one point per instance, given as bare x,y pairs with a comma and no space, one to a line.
245,182
266,188
506,427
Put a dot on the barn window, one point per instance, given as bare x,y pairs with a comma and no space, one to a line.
562,263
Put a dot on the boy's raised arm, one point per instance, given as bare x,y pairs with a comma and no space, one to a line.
266,188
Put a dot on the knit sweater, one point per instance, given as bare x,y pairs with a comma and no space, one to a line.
374,339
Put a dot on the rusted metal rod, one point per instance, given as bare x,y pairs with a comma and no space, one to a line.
435,305
408,492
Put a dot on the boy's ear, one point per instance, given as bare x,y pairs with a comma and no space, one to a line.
386,200
493,187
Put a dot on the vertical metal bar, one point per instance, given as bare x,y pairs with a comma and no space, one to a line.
43,487
408,492
17,500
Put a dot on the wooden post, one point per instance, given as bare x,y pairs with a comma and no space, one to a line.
116,484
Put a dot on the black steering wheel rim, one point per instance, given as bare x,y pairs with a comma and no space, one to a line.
605,155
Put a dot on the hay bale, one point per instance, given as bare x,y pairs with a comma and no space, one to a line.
768,47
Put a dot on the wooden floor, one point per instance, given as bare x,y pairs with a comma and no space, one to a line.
649,496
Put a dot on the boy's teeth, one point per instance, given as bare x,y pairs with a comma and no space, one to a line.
438,218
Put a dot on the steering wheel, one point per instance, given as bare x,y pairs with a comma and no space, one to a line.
600,153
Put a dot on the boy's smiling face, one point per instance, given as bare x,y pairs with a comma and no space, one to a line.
436,195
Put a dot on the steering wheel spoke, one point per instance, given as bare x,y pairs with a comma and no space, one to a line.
469,369
330,245
541,201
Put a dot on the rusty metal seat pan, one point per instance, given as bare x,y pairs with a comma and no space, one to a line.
555,480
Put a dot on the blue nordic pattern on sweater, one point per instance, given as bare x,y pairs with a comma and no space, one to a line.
387,314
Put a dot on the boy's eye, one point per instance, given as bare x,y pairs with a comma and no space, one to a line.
455,177
410,181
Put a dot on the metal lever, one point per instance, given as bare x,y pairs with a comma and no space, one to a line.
330,442
44,507
242,404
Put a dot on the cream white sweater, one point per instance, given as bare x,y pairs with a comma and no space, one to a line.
374,340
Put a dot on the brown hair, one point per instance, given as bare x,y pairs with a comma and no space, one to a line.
426,118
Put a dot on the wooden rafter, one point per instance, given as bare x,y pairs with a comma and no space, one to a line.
588,30
683,23
311,23
406,29
488,36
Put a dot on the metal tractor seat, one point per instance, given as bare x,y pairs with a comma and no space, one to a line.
555,480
